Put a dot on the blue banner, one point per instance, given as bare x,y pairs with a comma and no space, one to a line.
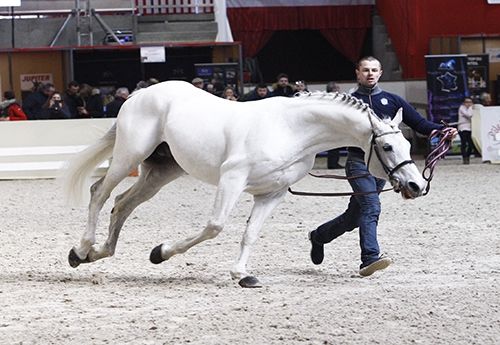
446,86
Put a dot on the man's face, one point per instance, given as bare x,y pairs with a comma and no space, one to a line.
262,91
369,73
300,86
49,91
283,82
199,85
73,90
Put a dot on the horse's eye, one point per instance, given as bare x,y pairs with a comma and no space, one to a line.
387,147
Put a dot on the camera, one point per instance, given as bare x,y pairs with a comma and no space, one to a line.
57,105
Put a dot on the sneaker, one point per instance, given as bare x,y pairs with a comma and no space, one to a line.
317,253
382,263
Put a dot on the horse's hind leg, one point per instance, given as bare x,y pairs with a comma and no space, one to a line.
154,175
100,191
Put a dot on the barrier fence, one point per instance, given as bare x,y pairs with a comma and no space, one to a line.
148,7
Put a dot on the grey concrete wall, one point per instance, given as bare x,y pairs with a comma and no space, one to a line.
30,33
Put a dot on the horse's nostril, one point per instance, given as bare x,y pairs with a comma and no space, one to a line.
413,187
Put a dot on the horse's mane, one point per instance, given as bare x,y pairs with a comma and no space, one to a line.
342,97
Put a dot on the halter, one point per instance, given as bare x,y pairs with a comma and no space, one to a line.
374,147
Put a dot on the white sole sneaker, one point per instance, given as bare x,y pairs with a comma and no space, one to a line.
378,265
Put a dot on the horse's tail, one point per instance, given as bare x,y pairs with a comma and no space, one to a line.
75,173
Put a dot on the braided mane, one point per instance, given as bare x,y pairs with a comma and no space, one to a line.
343,97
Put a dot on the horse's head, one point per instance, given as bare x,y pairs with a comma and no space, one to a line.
390,158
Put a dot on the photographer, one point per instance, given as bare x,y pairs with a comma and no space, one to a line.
55,108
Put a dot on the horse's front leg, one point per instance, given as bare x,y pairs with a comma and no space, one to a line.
228,192
263,207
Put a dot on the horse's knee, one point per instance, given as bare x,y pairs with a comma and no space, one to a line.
212,230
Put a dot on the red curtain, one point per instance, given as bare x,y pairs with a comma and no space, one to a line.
412,23
343,26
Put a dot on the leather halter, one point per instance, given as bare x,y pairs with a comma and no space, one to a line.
374,147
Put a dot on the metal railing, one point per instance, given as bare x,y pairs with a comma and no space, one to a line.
149,7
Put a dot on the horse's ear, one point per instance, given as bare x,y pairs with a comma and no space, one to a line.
398,118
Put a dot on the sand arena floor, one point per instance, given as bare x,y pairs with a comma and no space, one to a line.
442,288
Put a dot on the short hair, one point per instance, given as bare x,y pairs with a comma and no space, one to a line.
282,75
332,85
47,86
73,83
9,95
262,86
484,96
369,58
122,92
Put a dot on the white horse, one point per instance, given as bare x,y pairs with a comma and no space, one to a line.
259,147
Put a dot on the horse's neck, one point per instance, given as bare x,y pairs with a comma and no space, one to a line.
333,124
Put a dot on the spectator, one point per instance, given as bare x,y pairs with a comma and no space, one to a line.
259,92
301,86
230,94
10,108
332,87
198,82
55,108
152,81
114,106
465,113
485,99
281,88
218,89
141,85
93,103
33,104
333,156
72,98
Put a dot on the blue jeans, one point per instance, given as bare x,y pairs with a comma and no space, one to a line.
363,212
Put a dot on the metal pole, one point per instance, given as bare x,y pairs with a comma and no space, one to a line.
13,36
61,29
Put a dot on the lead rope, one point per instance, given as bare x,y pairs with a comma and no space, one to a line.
438,153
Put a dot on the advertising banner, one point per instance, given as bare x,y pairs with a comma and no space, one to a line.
478,76
446,86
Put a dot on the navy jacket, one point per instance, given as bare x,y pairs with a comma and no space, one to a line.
386,105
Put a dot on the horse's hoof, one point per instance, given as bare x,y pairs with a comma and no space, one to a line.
155,256
74,260
250,282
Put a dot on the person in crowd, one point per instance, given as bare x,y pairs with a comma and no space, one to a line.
114,106
10,108
141,85
363,210
281,88
230,93
259,92
33,104
301,86
485,99
465,112
152,81
93,103
55,108
333,156
72,98
218,89
198,82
